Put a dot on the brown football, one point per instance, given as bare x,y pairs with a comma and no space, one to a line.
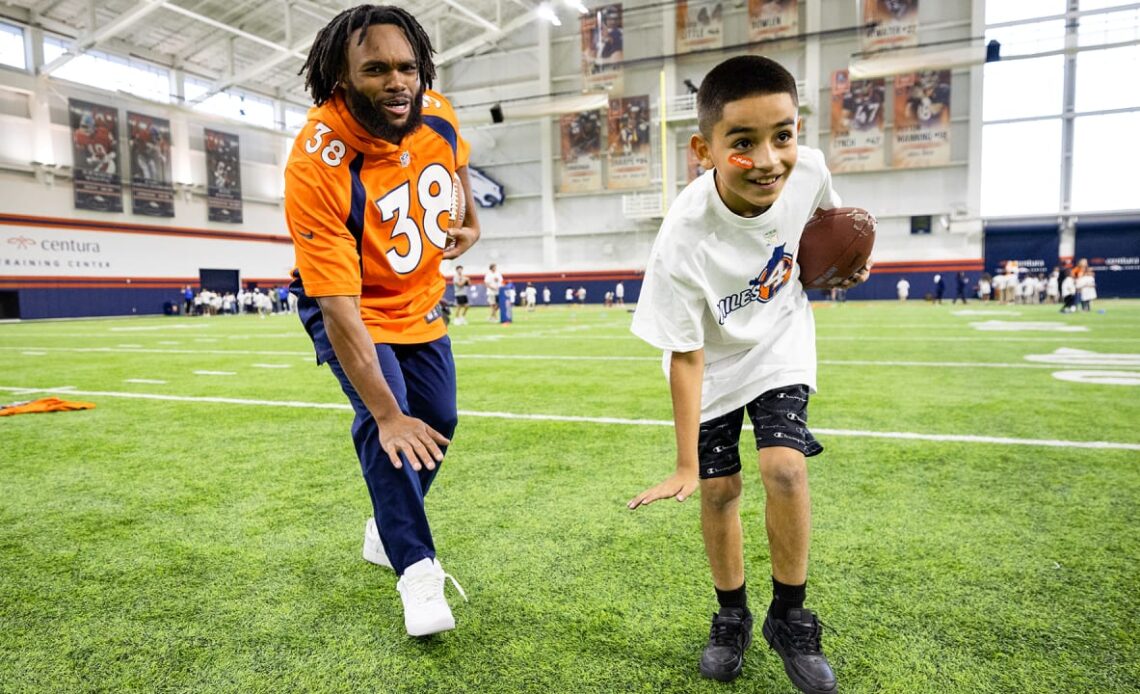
835,245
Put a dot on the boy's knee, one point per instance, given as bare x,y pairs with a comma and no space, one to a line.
784,470
720,492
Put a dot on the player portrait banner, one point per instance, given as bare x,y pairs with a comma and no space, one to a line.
603,49
922,120
223,170
95,156
856,124
628,143
581,152
773,19
152,186
896,24
699,25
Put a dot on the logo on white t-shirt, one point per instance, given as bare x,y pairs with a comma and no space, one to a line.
763,288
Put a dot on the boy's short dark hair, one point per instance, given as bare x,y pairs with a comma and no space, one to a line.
739,78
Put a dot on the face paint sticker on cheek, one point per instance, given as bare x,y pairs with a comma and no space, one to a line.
741,161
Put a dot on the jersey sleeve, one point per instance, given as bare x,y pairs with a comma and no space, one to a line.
670,308
316,207
438,105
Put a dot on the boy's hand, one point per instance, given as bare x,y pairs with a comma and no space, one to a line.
859,277
679,485
459,239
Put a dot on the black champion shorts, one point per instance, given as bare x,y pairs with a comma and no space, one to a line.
461,300
779,418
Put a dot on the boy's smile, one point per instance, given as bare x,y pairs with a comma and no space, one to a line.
759,129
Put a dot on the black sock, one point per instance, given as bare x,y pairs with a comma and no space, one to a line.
732,598
785,597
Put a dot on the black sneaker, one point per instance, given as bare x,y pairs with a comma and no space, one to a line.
731,633
796,639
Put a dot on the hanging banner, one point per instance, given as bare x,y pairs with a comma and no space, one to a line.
699,25
223,169
581,152
856,124
603,49
95,154
152,187
773,19
629,147
896,24
922,120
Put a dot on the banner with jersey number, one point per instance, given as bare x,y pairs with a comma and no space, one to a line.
895,24
629,146
922,120
95,156
856,124
581,152
152,187
223,170
700,24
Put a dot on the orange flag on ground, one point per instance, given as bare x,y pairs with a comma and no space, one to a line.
44,405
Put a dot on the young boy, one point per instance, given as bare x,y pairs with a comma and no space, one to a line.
722,298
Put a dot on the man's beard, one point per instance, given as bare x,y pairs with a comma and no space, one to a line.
374,121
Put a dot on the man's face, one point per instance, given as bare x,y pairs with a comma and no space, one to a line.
763,129
382,82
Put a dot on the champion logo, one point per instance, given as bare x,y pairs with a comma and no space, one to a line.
22,242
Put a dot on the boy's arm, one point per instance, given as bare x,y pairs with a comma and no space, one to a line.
686,375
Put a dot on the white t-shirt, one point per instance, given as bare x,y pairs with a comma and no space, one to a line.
730,285
493,280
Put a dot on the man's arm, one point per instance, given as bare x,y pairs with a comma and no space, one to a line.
357,355
686,376
465,236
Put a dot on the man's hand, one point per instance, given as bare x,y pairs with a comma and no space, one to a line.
859,277
679,485
410,436
459,239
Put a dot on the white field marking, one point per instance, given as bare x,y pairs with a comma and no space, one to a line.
593,420
153,328
1066,356
169,342
215,373
115,350
1029,326
975,312
34,354
951,338
144,380
205,339
272,366
129,346
1100,378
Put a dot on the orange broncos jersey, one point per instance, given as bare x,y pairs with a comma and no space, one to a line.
369,218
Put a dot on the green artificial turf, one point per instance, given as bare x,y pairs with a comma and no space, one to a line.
211,541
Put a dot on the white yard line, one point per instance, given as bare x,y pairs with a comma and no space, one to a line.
913,436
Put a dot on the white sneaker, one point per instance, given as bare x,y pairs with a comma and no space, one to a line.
373,548
425,608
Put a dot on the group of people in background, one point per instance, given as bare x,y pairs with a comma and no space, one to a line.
500,291
1073,287
206,302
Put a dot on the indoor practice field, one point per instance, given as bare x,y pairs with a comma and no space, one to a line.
200,529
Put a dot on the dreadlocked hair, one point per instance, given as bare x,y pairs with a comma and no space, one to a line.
325,65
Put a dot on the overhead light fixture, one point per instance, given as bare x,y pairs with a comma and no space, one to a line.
940,56
545,11
577,6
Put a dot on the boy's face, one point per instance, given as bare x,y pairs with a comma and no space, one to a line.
761,129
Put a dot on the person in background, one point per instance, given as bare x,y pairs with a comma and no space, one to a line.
962,285
939,288
619,294
545,296
462,285
493,280
903,288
